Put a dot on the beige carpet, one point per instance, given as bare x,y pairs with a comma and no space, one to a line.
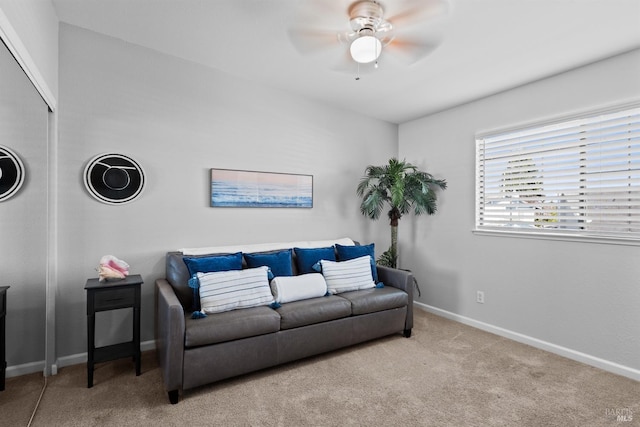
446,374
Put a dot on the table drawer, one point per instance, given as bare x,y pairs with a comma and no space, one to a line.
114,298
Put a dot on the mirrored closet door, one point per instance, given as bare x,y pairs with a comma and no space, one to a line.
23,217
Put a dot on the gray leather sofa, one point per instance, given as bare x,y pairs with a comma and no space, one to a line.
194,352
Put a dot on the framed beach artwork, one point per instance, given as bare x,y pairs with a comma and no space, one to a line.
249,189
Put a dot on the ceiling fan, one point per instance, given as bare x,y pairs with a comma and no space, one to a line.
367,32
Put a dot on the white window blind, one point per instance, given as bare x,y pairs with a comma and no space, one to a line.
578,177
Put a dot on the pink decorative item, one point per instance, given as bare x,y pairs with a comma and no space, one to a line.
112,268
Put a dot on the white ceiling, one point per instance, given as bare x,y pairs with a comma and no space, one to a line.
487,45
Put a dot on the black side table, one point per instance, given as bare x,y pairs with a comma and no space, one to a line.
112,295
3,313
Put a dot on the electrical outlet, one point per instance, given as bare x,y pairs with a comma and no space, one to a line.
480,297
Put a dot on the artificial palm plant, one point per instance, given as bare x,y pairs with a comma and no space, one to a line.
404,188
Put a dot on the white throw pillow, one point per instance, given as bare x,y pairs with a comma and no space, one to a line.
351,275
296,288
229,290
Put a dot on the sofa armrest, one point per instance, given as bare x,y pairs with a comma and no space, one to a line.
170,332
401,279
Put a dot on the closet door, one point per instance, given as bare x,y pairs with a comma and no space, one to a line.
23,217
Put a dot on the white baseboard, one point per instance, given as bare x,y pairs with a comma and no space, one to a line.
24,369
28,368
606,365
74,359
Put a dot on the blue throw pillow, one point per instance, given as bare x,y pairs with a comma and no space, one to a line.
351,252
213,263
306,258
210,264
278,262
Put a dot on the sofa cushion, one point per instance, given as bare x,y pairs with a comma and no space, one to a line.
279,262
230,290
311,311
230,325
349,275
375,299
296,288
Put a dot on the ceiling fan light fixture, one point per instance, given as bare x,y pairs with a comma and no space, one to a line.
365,49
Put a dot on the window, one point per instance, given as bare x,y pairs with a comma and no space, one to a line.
577,177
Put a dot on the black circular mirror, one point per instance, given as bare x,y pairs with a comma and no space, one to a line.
11,173
114,178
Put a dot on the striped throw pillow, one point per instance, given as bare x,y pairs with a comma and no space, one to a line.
228,290
351,275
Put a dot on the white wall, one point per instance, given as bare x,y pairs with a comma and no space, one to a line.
580,296
23,217
31,28
179,119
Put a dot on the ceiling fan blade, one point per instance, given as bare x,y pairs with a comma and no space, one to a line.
410,51
320,25
329,15
308,40
417,12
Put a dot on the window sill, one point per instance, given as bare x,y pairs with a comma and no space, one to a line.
557,236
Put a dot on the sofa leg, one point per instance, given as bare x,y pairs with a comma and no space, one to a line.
173,396
407,333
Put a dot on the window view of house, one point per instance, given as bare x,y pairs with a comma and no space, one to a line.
579,176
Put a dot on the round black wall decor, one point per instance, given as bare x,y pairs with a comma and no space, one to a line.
11,173
114,179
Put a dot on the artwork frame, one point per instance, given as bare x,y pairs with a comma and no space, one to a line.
233,188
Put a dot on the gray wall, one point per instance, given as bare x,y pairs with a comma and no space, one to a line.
32,28
179,119
23,217
581,296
